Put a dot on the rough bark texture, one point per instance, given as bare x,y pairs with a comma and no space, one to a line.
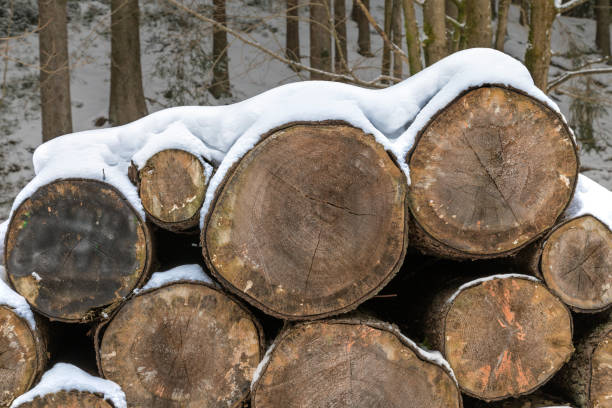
310,223
182,345
350,363
68,399
489,174
220,86
23,355
75,247
363,27
502,337
292,50
587,378
54,69
172,186
320,37
434,25
388,24
396,35
502,24
602,16
529,401
127,102
340,46
537,56
412,37
478,23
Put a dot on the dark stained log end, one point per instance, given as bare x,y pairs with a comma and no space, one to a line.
310,223
576,264
536,400
68,399
184,344
490,173
505,337
172,186
349,363
76,247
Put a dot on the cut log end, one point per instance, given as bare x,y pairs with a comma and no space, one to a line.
74,247
172,186
21,356
68,399
601,375
182,345
576,264
311,222
506,337
350,364
490,173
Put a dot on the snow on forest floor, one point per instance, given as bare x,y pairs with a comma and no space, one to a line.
176,60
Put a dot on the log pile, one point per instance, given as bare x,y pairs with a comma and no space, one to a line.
316,220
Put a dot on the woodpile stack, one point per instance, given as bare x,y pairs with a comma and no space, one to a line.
307,226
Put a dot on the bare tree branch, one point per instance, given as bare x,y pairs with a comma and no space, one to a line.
568,75
564,7
455,22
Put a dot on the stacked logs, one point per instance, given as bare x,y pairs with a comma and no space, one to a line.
312,223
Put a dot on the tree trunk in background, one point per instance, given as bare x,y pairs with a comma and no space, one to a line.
602,15
396,31
478,23
434,15
412,37
455,34
363,39
292,50
524,17
341,51
127,102
386,55
502,24
54,69
537,56
221,81
320,37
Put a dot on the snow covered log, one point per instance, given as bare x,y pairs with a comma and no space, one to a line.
587,378
489,174
351,362
171,186
76,247
310,223
181,344
504,336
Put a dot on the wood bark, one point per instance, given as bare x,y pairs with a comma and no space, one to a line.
292,49
172,185
352,363
503,337
490,174
537,56
396,35
478,23
536,400
502,24
340,46
587,377
320,37
220,86
68,399
23,354
363,29
434,26
310,223
412,37
54,69
75,249
602,35
575,261
127,102
387,26
181,345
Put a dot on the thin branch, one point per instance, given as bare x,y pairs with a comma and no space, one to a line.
568,75
454,22
564,7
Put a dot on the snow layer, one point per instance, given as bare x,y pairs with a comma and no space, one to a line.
193,273
223,134
489,278
12,299
591,198
66,377
3,228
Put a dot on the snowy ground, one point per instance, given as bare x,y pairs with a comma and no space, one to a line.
176,68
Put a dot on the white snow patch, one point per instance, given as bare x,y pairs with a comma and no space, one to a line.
489,278
193,273
3,274
3,228
262,364
591,198
36,276
12,299
66,377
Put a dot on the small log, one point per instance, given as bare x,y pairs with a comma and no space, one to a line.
575,261
184,344
68,399
23,354
76,247
504,336
489,174
587,378
528,401
310,223
172,185
350,363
